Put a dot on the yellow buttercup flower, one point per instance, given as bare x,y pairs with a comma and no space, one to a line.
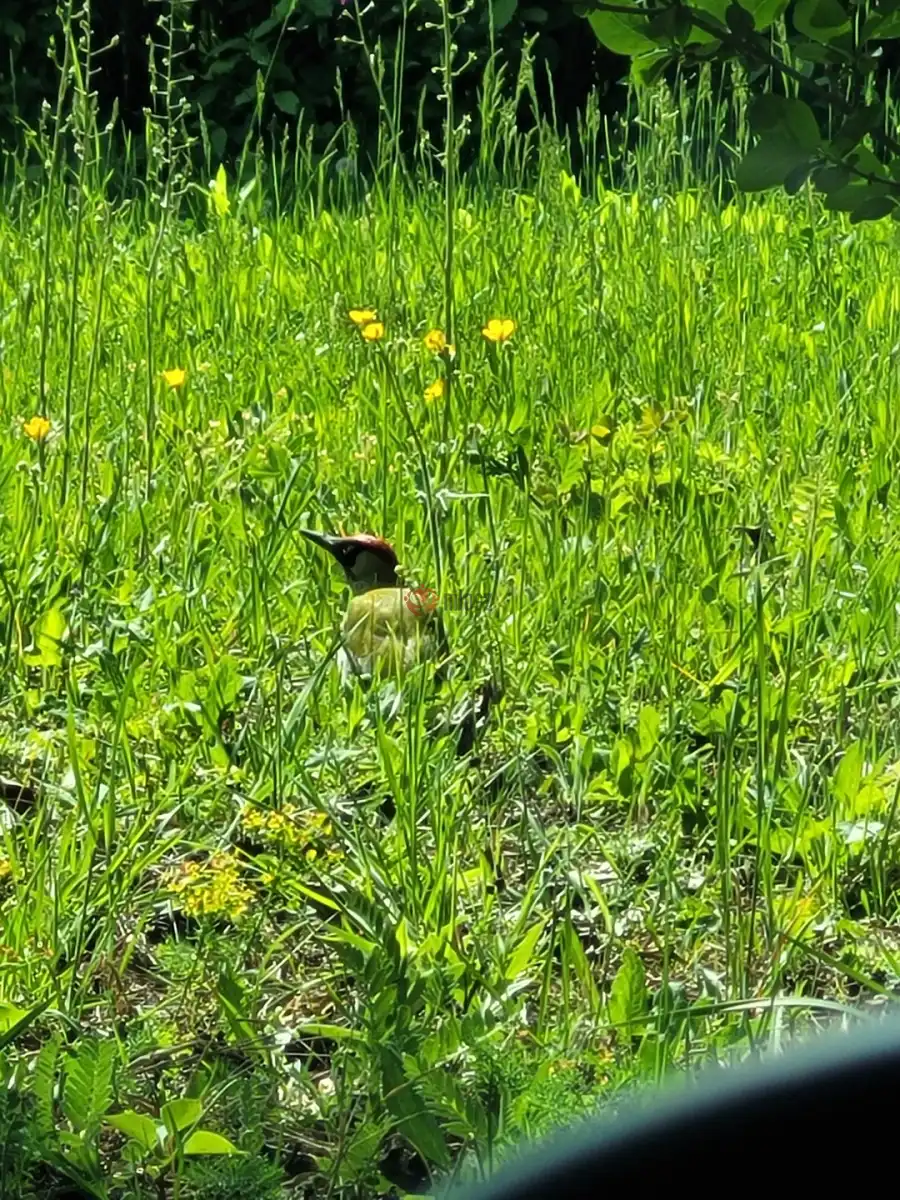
37,428
499,329
362,316
436,390
175,377
435,341
373,332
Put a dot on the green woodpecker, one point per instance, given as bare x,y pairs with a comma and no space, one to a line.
388,627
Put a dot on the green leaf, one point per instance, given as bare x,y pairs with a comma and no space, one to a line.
794,180
886,28
646,69
464,1114
628,997
792,119
179,1115
47,634
521,957
848,777
715,8
204,1141
42,1084
136,1126
848,198
800,124
14,1021
648,730
873,209
765,12
414,1122
571,193
670,24
621,33
821,20
622,764
503,12
88,1089
340,1033
814,52
259,31
863,159
764,113
288,102
831,179
576,959
12,29
769,163
740,21
234,1005
218,192
10,1015
854,128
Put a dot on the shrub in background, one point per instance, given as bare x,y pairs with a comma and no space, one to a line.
308,55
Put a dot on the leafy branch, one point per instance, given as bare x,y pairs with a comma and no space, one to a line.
858,168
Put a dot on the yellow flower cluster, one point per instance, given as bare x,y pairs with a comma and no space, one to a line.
366,321
369,324
290,827
211,888
372,329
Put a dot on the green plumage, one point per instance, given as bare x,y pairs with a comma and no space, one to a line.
385,635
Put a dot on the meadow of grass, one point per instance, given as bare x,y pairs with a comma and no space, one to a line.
663,516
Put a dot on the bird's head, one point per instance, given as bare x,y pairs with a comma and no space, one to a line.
367,561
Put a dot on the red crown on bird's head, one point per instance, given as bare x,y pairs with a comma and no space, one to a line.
377,545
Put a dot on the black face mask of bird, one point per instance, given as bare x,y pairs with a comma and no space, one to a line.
367,561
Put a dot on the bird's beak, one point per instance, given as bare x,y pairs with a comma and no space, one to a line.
323,540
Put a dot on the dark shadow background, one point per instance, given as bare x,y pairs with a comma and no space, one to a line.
233,40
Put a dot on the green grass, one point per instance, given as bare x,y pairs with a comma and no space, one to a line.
676,840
